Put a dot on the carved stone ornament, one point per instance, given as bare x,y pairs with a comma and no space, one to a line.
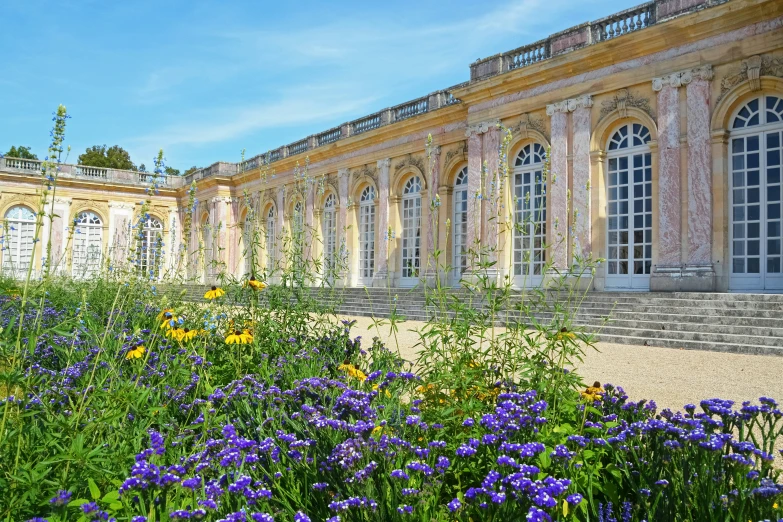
412,161
481,127
571,105
101,207
681,78
365,170
751,71
527,124
624,99
384,163
459,150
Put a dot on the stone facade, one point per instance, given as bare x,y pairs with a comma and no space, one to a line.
636,113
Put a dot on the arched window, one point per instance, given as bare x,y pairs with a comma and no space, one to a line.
756,233
629,207
459,224
411,231
270,241
329,225
367,235
150,247
18,234
87,245
529,215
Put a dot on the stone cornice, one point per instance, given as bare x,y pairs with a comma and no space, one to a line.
580,102
681,78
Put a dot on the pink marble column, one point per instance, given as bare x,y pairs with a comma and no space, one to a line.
342,219
381,239
236,245
279,222
699,166
580,187
432,213
557,229
669,191
489,240
474,187
309,231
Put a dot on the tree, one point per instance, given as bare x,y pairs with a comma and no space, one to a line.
191,170
142,168
114,157
21,153
171,171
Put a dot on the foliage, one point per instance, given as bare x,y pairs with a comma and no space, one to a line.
171,171
21,152
114,157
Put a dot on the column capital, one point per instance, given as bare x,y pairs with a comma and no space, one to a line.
342,172
681,78
435,150
570,105
481,127
384,163
122,205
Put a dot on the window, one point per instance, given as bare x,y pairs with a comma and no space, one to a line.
329,223
367,235
411,231
529,215
459,224
150,247
270,241
87,245
19,232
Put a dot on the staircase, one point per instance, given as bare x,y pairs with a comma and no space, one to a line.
738,323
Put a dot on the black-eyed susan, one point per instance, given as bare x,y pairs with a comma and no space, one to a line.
169,319
136,353
188,334
239,337
377,388
255,285
593,393
353,371
564,334
214,293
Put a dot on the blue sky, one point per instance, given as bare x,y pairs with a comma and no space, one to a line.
203,80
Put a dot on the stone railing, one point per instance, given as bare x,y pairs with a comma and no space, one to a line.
425,104
613,26
69,171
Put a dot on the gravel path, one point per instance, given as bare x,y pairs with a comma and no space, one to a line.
671,377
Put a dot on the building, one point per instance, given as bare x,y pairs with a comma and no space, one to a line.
663,125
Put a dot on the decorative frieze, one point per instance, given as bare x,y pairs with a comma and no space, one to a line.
411,161
120,205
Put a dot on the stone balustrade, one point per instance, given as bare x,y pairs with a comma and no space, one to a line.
70,171
589,33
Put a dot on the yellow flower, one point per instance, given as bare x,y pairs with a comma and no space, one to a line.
168,319
593,393
376,430
214,293
136,353
187,334
255,285
376,387
353,371
239,337
564,334
775,505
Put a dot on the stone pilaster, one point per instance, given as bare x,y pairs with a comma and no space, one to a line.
120,217
697,94
474,185
669,189
582,218
432,209
557,229
279,224
342,226
491,192
382,240
174,239
309,229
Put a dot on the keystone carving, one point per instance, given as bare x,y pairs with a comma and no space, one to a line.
571,105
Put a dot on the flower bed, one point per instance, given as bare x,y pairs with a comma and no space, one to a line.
127,408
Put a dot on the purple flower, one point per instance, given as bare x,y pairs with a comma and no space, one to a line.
454,505
574,499
61,498
301,517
